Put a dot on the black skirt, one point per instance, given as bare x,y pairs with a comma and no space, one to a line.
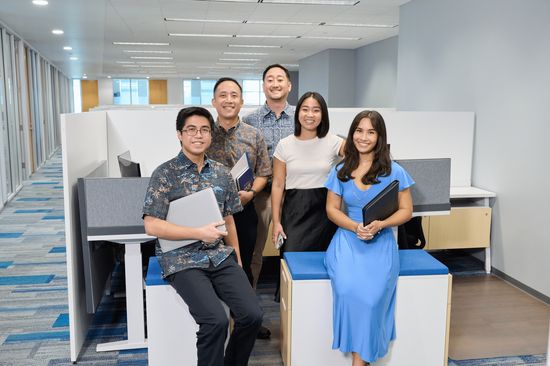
305,222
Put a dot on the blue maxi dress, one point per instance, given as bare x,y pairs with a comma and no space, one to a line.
363,274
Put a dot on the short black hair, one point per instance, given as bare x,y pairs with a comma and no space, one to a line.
324,126
274,66
185,113
221,80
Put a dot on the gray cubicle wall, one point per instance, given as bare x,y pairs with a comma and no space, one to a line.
432,177
108,206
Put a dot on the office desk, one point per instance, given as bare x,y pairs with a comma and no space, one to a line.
134,291
467,226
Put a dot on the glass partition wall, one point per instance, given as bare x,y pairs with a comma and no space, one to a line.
33,94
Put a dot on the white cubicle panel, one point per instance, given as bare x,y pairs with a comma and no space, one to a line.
150,135
84,145
423,135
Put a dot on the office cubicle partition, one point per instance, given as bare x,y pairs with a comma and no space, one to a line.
89,138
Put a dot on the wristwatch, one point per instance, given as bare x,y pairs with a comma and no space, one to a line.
253,193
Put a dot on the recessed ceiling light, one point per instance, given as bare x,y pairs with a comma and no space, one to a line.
67,48
84,77
252,46
40,2
74,58
57,31
142,44
146,51
108,77
151,58
147,77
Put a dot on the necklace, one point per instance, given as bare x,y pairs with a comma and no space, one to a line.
352,187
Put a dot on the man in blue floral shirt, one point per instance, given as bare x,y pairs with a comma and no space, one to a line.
275,119
209,270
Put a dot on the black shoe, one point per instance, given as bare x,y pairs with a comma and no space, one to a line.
263,333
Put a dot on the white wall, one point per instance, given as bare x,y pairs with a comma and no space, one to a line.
376,74
491,57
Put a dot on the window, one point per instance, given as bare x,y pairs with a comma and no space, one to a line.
252,92
201,92
198,92
77,96
131,91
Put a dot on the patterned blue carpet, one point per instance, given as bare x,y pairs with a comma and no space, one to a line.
33,290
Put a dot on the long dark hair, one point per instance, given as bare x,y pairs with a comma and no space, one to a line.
324,126
381,163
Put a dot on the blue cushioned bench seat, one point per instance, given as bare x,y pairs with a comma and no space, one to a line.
153,273
311,265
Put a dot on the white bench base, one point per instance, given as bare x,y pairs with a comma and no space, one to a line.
171,330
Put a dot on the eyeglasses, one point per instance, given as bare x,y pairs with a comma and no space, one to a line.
192,131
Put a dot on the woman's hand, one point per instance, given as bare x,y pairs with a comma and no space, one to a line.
368,232
277,229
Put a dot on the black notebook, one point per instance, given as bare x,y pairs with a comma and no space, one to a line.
383,205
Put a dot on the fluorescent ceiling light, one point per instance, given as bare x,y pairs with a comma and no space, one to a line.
293,2
131,66
252,46
282,23
142,44
144,51
74,58
125,62
246,53
165,72
233,63
67,48
151,58
155,62
256,36
211,67
40,2
158,66
57,31
239,59
201,35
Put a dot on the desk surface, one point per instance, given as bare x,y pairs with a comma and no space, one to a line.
470,192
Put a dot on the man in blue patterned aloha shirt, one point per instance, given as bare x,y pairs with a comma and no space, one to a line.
276,121
204,272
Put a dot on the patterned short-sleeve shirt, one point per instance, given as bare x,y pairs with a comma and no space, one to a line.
274,129
227,147
178,178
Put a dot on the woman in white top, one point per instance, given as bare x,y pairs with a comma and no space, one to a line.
301,164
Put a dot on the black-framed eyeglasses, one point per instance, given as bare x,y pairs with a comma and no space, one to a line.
192,130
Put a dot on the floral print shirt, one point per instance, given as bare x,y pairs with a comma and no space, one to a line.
178,178
227,147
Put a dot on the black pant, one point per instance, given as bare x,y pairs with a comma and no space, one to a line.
246,223
202,289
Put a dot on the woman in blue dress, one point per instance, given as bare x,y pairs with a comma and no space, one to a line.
363,261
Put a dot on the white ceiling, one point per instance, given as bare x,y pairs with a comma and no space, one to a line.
91,26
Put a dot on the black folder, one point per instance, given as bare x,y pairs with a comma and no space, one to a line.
383,205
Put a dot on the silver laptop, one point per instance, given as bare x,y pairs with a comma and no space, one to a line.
195,210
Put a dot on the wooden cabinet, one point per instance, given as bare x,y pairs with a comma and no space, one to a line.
465,227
